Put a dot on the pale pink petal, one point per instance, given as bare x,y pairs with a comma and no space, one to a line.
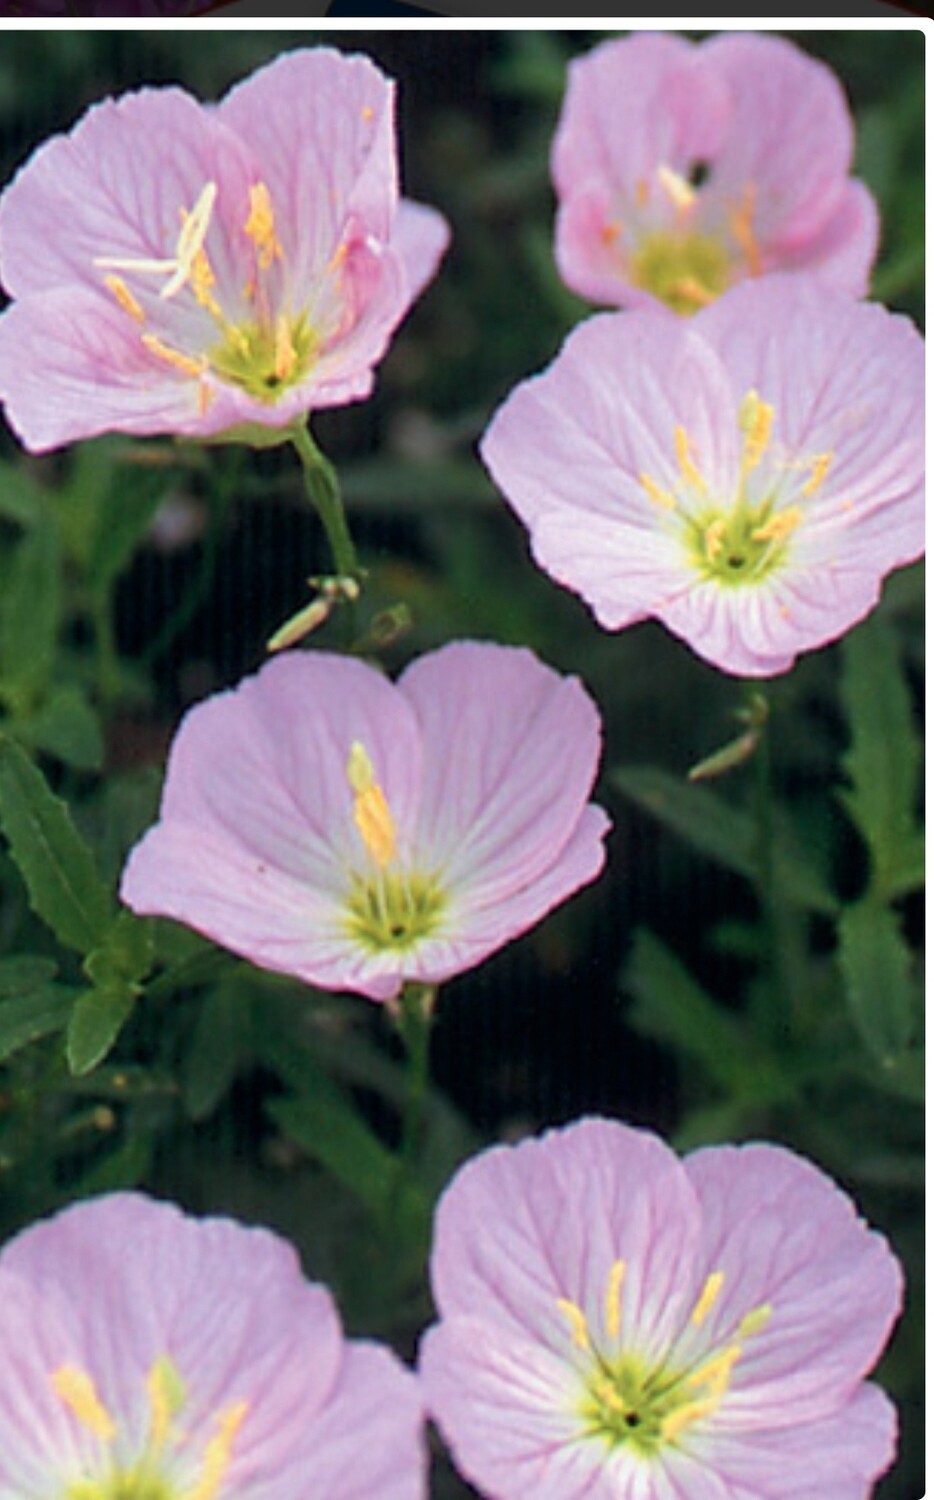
785,1236
521,1228
502,793
836,1458
844,250
420,236
367,1443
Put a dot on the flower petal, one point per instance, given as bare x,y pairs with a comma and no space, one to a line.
785,1236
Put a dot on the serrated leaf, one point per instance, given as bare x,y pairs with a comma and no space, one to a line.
884,754
875,962
64,887
28,1017
67,727
671,1007
723,832
30,610
96,1021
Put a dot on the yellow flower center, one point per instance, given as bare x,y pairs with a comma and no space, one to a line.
147,1475
263,353
630,1402
389,907
740,542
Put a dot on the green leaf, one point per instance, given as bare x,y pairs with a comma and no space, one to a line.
875,962
123,521
22,974
884,755
96,1021
219,1045
671,1007
67,727
725,833
327,1126
28,1017
30,611
64,887
125,955
21,500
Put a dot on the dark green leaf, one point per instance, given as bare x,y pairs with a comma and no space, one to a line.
21,500
96,1021
30,610
22,974
67,727
884,754
220,1042
123,521
876,964
64,887
27,1017
722,831
125,956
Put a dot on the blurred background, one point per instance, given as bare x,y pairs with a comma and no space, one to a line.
645,997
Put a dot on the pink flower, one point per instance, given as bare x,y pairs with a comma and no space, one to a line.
682,169
151,1355
619,1325
193,269
749,477
322,821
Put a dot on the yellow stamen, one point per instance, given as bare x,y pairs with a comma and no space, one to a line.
613,1308
755,419
119,289
580,1333
741,219
218,1452
677,187
692,290
371,810
166,1391
819,467
656,493
261,226
707,1298
202,280
686,464
754,1321
286,357
605,1391
779,526
714,538
676,1421
77,1390
173,357
191,239
716,1372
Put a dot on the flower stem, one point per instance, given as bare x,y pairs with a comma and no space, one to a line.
416,1010
323,490
771,904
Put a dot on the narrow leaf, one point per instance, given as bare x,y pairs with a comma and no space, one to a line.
723,832
30,609
23,974
219,1044
876,965
64,887
29,1017
67,727
96,1021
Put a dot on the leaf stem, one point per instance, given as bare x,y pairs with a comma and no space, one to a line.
323,490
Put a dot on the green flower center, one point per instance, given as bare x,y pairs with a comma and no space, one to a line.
134,1484
631,1406
262,360
744,545
684,270
393,910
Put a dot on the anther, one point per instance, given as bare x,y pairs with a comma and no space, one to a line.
613,1308
261,226
704,1305
656,493
119,289
819,467
778,527
371,812
76,1389
580,1333
686,464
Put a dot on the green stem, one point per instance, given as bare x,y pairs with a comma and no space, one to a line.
323,490
108,657
414,1022
775,929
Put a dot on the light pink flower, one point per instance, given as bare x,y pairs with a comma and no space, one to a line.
682,169
188,268
149,1354
323,821
748,477
616,1324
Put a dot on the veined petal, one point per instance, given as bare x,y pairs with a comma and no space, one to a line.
420,236
785,1236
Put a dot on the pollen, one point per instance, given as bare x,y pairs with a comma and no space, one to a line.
755,419
705,1302
779,527
613,1307
371,813
76,1390
217,1454
656,493
819,467
714,537
715,1373
118,288
174,357
580,1333
689,470
165,1390
261,226
286,357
